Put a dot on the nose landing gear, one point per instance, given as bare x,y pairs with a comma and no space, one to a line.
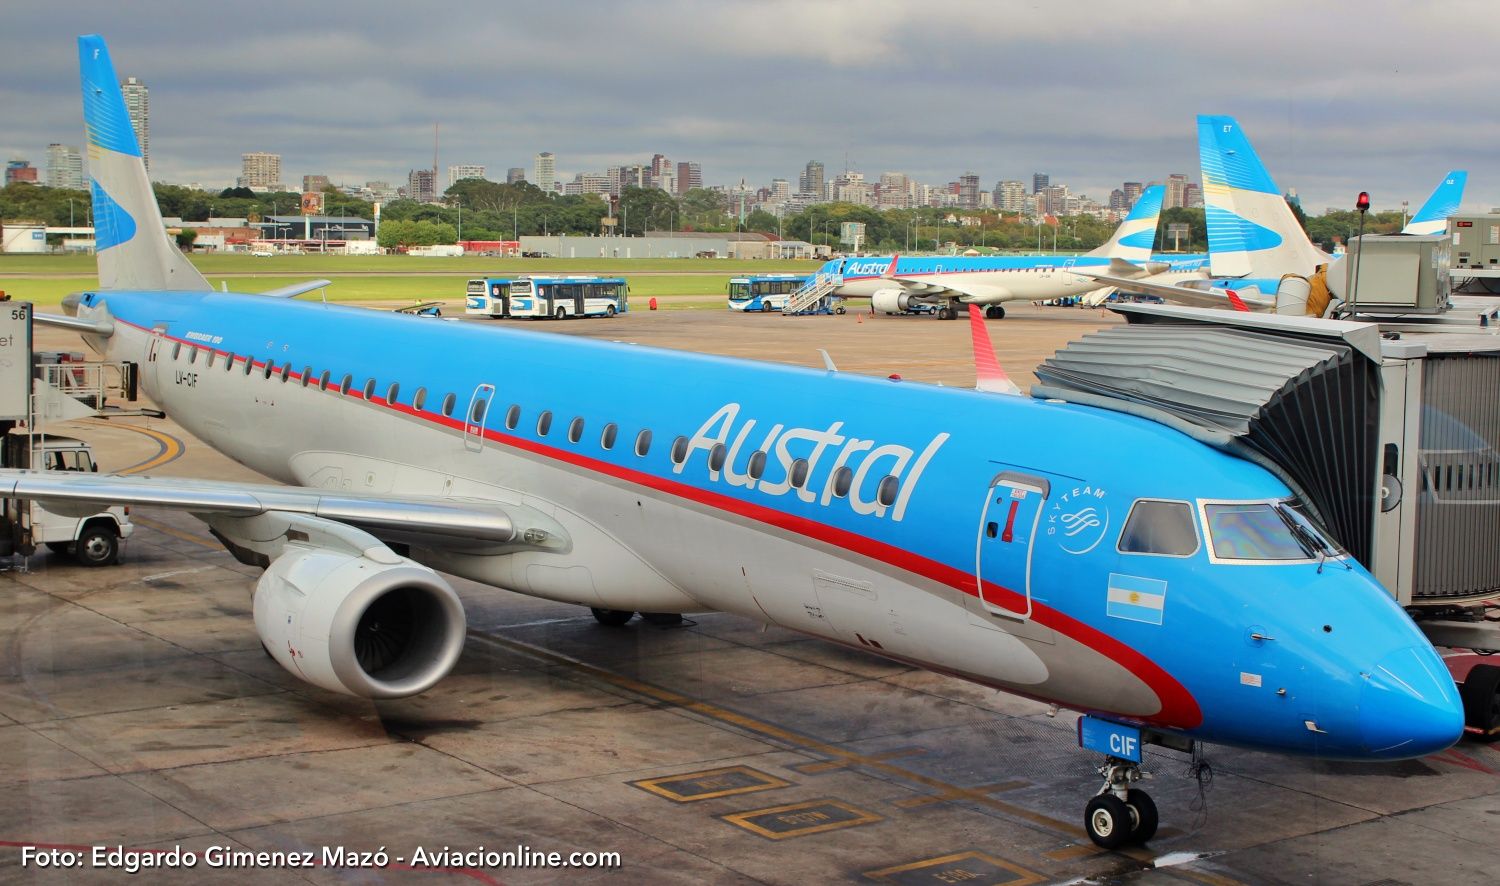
1120,814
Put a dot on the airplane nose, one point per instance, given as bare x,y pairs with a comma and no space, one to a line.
1409,706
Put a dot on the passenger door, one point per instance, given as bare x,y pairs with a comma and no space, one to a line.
476,416
1008,527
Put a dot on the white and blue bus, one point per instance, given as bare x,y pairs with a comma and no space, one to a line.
763,292
563,297
488,297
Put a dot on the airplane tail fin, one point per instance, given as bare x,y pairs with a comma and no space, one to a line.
131,243
1135,236
1251,230
1432,218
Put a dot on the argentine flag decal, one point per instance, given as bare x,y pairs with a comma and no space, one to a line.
1136,599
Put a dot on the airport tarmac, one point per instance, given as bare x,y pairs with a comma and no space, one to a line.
138,710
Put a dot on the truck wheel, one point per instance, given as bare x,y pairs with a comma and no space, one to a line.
1480,692
97,546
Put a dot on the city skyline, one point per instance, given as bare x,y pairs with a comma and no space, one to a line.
761,88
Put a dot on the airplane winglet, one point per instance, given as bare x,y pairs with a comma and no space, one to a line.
988,374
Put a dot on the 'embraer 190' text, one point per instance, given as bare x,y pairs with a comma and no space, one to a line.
730,457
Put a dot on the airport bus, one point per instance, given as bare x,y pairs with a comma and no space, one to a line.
563,297
763,292
488,297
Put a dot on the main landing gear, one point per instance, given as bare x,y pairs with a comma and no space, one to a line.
994,312
616,617
1120,814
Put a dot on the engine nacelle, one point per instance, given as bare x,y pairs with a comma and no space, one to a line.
890,301
353,625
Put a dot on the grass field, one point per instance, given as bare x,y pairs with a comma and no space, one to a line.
44,280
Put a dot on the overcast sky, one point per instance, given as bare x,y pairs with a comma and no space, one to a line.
1337,96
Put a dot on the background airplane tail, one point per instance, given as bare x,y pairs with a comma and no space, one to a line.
131,244
1251,230
1135,236
1432,218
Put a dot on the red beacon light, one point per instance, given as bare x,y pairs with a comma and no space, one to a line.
1363,202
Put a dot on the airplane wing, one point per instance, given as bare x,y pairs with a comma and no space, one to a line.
296,289
967,291
1253,299
453,524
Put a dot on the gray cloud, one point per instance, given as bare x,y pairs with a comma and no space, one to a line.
1338,97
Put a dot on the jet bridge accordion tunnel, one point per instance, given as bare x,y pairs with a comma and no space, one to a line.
1392,440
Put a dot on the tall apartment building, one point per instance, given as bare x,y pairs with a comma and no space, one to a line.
1010,196
314,184
64,167
461,171
1192,196
621,177
689,176
138,106
1132,193
811,180
894,191
544,171
587,183
780,192
421,186
515,175
260,171
1176,183
968,190
1040,181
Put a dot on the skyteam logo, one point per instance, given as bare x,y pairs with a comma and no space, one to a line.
1079,520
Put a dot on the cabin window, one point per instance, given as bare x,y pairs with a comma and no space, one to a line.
679,450
323,381
643,443
270,368
575,430
885,493
192,355
286,372
208,362
512,417
544,423
392,392
228,362
798,472
1160,527
249,364
307,375
419,398
370,389
843,481
757,466
476,412
346,384
176,349
449,401
607,438
716,457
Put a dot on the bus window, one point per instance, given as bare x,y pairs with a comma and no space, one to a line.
643,443
607,438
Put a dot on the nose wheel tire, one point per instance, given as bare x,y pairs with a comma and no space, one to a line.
1143,813
611,617
1480,692
1108,821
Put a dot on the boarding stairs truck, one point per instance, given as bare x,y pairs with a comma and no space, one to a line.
1386,422
33,397
815,297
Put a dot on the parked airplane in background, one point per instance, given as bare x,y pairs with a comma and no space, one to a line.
972,533
1254,240
894,283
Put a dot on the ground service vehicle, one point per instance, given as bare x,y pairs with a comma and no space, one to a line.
563,297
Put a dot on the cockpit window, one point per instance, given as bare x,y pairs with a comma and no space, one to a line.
1265,531
1160,527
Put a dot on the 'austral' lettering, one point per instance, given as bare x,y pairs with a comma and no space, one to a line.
869,461
864,268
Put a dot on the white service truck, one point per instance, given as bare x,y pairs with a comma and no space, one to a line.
90,537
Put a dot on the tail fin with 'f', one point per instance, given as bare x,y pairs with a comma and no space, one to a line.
1432,218
131,243
1251,230
1134,237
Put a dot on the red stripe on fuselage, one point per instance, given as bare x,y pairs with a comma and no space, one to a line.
1178,707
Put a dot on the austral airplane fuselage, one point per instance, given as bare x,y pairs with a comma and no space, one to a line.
970,533
990,279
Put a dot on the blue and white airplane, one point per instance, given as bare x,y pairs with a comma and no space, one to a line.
1254,240
976,534
893,283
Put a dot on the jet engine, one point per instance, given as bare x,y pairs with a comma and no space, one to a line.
890,301
377,627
